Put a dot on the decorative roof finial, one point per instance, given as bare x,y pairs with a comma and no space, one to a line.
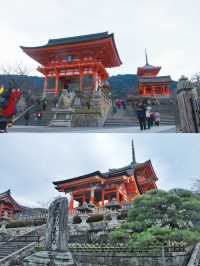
133,154
146,57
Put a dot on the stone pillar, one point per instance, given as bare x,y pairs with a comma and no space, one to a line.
188,106
56,237
56,249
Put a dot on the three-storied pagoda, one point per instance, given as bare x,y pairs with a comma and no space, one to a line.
123,184
8,205
150,84
76,62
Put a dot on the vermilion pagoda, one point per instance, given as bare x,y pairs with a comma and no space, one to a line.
79,61
8,205
123,184
149,84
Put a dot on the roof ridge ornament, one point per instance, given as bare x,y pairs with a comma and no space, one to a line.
146,57
133,154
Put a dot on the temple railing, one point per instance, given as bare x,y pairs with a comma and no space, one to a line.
22,217
101,210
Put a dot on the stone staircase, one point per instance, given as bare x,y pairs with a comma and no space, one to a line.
46,117
17,245
128,117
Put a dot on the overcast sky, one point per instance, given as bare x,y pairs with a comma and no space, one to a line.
168,29
31,162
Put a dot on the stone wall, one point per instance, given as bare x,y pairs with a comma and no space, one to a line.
129,259
95,116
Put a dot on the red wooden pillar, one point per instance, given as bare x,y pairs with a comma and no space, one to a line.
63,84
57,84
83,198
1,208
168,91
45,84
94,75
123,200
117,194
81,80
102,198
144,91
71,202
92,196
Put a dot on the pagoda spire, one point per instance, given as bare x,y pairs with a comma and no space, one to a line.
133,154
146,57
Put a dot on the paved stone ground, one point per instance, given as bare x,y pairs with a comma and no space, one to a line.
43,129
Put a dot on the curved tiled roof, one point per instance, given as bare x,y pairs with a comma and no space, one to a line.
70,41
78,39
96,173
6,197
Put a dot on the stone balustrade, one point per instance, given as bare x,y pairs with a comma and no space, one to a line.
195,258
100,210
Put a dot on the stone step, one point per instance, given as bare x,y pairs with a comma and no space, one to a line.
11,246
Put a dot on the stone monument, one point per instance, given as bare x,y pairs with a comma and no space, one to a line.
63,112
56,247
188,106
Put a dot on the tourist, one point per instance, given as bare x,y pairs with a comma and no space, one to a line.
157,118
55,101
152,118
39,116
141,114
3,125
148,115
26,118
44,104
124,104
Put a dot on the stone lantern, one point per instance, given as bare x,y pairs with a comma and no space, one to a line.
113,208
4,221
84,211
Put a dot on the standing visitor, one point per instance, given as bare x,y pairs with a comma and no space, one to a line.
148,115
39,116
141,114
157,118
124,104
26,118
152,118
3,125
55,101
44,104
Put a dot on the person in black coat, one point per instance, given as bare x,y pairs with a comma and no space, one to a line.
141,114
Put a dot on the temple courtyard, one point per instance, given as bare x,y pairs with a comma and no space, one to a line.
44,129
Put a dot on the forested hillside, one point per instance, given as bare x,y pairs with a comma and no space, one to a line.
122,85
